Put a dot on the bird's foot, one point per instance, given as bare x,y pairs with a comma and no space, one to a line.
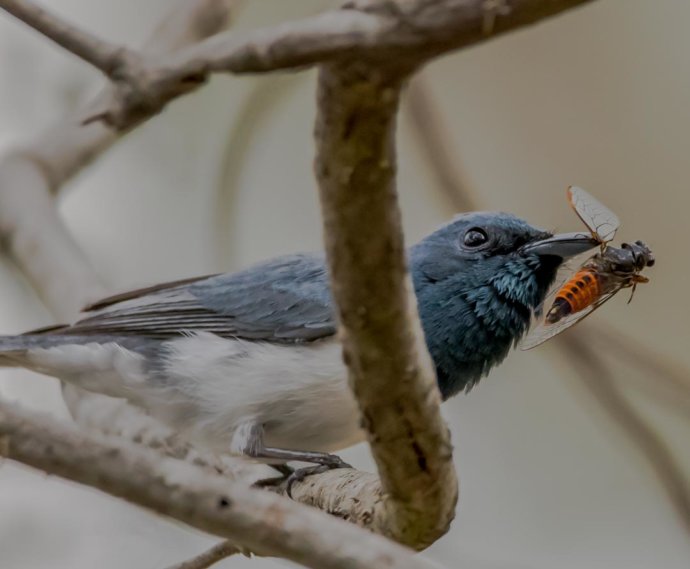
290,476
300,474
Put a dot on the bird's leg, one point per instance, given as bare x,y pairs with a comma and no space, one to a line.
330,461
322,461
299,474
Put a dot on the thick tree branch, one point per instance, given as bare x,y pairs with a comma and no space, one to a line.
411,31
391,372
662,378
267,524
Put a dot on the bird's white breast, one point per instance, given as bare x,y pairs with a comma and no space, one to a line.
299,394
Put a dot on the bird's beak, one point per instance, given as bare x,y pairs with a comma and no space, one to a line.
562,245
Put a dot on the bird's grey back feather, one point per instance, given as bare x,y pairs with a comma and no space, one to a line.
284,300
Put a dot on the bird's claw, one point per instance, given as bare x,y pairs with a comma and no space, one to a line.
301,473
290,475
331,462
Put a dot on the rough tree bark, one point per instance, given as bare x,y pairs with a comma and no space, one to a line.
261,521
391,372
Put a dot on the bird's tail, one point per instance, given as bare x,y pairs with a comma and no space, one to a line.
13,349
20,350
99,364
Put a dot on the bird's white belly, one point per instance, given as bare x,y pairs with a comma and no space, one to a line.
298,394
212,389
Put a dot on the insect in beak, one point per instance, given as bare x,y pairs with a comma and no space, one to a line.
562,245
598,279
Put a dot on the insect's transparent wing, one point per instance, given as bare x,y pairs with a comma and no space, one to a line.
601,221
543,331
565,272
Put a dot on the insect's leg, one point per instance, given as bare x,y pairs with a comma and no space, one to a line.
636,279
632,292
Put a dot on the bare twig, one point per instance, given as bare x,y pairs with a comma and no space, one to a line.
209,557
373,30
266,524
107,57
667,381
598,380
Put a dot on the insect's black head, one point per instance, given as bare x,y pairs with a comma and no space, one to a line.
628,258
641,255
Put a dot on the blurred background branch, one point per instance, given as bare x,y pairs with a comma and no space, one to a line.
210,557
370,30
600,383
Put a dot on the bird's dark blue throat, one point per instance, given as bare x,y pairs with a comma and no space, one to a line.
477,281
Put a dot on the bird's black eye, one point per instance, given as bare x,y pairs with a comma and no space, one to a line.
474,238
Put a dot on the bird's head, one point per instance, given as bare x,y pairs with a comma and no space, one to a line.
477,280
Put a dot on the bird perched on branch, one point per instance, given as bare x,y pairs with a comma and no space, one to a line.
249,363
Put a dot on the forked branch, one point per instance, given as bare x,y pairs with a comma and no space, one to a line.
376,31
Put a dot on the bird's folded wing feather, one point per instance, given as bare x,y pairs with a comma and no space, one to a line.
284,300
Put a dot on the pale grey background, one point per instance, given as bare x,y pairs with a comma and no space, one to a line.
599,97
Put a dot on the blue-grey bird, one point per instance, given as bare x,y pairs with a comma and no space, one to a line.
248,362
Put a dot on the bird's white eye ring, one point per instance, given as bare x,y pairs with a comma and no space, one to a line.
474,238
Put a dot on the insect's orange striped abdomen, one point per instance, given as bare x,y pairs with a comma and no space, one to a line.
575,295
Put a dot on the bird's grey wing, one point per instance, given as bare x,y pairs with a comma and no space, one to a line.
141,292
284,300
